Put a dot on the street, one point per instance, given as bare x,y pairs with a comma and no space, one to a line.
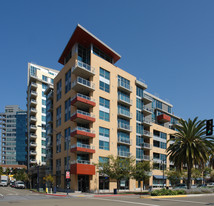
20,197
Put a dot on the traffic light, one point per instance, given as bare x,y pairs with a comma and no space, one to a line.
209,127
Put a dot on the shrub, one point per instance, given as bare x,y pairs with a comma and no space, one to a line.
167,192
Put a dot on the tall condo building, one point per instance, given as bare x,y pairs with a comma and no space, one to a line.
39,78
9,138
103,110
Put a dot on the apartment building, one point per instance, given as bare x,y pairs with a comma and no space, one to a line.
9,131
39,78
104,110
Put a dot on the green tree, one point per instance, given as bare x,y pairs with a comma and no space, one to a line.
191,147
7,172
173,176
141,171
1,170
49,180
117,168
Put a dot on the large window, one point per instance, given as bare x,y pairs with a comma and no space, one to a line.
139,104
104,109
58,143
68,81
67,109
101,54
104,102
104,135
67,138
104,86
104,116
139,116
139,92
104,73
59,90
139,129
44,78
123,82
58,116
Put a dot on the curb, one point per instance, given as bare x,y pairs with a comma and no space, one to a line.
165,196
48,194
113,195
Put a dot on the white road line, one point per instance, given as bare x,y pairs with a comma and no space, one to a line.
168,199
127,202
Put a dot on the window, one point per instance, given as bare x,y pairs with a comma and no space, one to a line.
43,110
67,138
101,54
52,81
139,153
43,94
104,116
139,140
43,151
44,78
104,132
103,145
43,134
65,162
123,82
139,104
43,102
58,143
139,116
59,90
169,109
104,135
33,71
103,159
67,109
158,104
58,116
139,128
104,73
104,102
68,81
104,86
124,96
44,118
139,92
44,86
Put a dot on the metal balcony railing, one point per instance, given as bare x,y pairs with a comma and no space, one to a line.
124,99
124,140
124,112
86,146
124,126
83,66
87,162
83,129
123,153
83,113
124,85
84,82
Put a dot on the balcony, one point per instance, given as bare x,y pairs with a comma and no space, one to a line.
146,145
123,113
33,102
32,152
49,119
50,95
33,136
82,69
32,119
49,131
163,118
82,117
123,154
33,144
123,140
144,157
83,86
147,134
82,132
32,161
33,85
147,99
147,122
82,167
33,111
124,100
33,127
147,111
33,93
125,87
82,101
82,148
124,127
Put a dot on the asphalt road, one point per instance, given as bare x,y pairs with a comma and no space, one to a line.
18,197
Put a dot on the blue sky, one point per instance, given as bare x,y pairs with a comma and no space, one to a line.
169,44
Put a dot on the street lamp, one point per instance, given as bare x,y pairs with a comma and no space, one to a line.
67,165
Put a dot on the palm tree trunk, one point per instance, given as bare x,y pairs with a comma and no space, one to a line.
189,174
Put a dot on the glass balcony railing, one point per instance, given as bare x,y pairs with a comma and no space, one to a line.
124,99
83,66
124,112
146,145
84,82
124,126
83,113
147,109
124,140
148,133
124,85
86,146
84,97
87,162
147,97
123,153
83,129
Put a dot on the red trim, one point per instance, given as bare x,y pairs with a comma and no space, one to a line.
164,118
82,133
85,101
82,169
80,149
82,116
86,39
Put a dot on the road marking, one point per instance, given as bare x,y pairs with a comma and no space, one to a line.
127,202
203,203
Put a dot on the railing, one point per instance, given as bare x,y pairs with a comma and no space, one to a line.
147,145
33,118
87,162
33,110
125,99
32,160
124,112
84,97
86,146
33,143
123,153
146,121
32,152
33,101
124,140
82,81
147,97
147,109
84,66
124,85
124,126
171,142
33,84
83,129
32,126
83,113
143,157
145,132
34,93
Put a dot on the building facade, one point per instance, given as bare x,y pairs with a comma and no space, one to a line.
104,110
8,126
39,78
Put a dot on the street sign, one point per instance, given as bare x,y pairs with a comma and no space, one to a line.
67,174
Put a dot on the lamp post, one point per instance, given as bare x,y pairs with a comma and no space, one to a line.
163,161
67,165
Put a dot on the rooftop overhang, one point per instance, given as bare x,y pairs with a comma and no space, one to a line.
85,38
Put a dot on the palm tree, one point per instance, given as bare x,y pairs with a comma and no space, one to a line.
191,146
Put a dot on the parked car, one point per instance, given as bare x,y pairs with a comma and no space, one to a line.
12,184
202,185
19,184
181,186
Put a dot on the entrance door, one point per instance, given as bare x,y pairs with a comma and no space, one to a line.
83,183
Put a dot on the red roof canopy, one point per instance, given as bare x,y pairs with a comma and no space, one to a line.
85,38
